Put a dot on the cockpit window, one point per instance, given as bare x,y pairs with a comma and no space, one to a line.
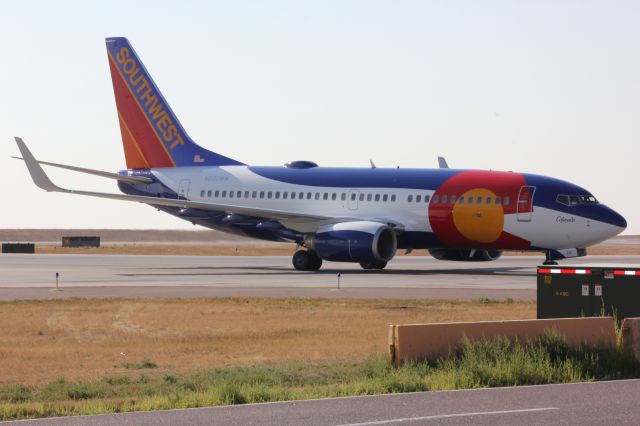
574,200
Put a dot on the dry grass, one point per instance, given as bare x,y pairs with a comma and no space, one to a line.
83,339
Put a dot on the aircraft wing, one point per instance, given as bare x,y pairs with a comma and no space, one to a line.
41,179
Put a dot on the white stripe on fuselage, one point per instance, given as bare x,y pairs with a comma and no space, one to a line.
412,215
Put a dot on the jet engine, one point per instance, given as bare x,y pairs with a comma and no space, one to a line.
365,242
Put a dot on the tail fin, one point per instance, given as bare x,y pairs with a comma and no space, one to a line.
151,133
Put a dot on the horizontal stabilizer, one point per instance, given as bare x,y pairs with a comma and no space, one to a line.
109,175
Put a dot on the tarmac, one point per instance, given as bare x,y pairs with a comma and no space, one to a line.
33,276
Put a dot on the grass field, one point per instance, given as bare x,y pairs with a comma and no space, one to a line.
77,356
88,339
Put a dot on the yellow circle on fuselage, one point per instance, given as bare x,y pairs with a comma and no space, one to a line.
480,221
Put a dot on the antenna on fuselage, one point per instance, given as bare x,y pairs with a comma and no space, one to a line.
373,165
442,163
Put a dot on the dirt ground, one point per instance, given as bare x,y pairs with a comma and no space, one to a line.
89,339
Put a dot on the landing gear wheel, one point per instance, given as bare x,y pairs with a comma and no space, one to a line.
373,264
306,260
315,260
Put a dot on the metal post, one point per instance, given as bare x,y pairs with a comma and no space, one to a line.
339,280
57,276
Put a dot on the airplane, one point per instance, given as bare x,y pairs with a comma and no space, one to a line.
361,215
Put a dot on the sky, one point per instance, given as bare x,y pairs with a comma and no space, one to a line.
546,87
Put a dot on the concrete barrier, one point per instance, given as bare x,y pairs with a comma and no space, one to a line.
631,336
413,342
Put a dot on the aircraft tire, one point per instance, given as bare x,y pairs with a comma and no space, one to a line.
306,260
373,264
301,260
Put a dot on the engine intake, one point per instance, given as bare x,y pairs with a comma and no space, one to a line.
354,242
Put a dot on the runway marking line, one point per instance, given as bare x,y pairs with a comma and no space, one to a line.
447,416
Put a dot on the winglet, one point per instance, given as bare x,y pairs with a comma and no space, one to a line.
442,163
38,175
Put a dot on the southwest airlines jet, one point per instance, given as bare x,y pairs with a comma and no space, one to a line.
362,215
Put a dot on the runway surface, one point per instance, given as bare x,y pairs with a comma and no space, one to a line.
600,403
33,277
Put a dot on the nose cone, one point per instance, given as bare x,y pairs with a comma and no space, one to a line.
614,218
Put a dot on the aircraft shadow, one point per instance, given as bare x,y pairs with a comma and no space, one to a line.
274,271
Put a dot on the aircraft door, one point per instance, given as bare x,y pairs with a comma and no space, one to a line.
183,189
352,201
525,203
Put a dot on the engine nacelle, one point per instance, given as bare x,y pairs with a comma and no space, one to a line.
465,255
354,242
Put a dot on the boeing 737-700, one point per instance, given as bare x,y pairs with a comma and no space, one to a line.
361,215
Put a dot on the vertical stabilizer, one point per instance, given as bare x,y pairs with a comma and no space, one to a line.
151,133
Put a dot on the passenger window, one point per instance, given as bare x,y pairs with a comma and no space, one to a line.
418,198
269,194
369,197
317,195
325,196
277,195
385,197
470,199
506,201
246,194
498,200
343,197
285,195
301,195
224,194
452,199
254,194
427,198
293,195
230,194
334,196
308,195
377,197
488,200
410,198
444,199
202,193
479,200
261,194
361,197
435,199
209,193
393,198
217,194
353,197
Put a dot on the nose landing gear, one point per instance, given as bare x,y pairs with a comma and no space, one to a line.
548,261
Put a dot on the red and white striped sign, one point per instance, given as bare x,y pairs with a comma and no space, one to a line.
564,271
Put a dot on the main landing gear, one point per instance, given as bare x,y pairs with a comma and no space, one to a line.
306,260
373,264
